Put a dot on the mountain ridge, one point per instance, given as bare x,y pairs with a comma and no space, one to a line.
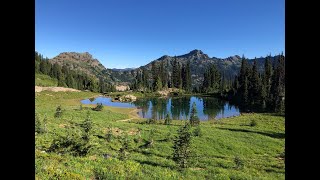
199,61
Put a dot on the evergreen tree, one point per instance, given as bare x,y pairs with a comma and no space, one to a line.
158,85
145,78
155,76
278,86
70,81
267,81
87,126
181,147
255,88
243,91
212,80
176,74
163,75
194,119
188,77
179,78
197,131
45,67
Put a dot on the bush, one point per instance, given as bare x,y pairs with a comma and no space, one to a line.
125,148
99,107
253,123
239,163
73,143
109,134
101,174
38,126
151,121
58,113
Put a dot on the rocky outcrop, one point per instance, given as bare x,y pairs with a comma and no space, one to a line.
83,62
125,98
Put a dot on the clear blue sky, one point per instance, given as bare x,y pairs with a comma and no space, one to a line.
131,33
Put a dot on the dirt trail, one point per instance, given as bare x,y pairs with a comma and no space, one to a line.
54,89
132,115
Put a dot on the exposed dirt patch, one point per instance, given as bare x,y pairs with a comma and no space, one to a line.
115,131
92,157
62,125
122,88
133,131
54,89
197,169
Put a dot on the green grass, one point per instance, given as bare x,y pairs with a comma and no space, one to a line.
257,147
45,80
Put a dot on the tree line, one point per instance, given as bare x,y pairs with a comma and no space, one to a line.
264,91
71,78
159,77
250,89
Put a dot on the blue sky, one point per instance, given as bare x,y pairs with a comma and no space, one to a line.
131,33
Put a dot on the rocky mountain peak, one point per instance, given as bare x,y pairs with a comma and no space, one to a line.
85,56
81,62
195,54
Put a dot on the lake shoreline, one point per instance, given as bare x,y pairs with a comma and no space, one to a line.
178,107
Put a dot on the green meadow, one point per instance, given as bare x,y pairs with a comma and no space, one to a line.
250,146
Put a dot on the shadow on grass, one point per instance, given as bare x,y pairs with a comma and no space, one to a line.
147,153
273,135
154,164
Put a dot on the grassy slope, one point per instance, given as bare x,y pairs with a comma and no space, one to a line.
45,80
258,147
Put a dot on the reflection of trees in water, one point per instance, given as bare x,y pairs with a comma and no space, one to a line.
212,106
159,108
185,107
235,105
143,104
180,106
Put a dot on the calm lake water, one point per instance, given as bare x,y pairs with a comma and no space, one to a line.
176,107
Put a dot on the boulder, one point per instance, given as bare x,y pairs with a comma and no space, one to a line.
128,98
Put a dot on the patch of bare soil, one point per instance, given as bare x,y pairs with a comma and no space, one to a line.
62,125
122,88
54,89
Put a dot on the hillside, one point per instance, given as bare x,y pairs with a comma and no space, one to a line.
45,80
199,62
83,62
228,149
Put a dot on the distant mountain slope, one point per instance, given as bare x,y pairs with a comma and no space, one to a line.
199,61
83,62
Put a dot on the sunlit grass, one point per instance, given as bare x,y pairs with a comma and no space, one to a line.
257,147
